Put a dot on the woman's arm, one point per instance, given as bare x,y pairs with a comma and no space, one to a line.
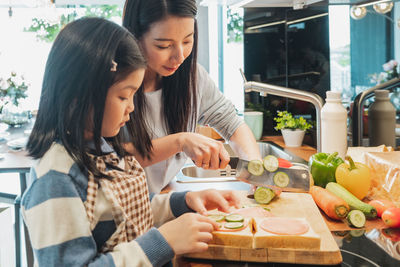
244,143
205,152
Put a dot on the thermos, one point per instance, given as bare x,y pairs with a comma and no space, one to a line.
334,125
382,120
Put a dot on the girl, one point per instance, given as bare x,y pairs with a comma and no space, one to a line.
88,204
177,94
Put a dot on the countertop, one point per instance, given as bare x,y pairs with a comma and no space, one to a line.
370,249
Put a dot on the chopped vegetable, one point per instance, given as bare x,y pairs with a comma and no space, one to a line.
356,218
323,166
263,195
353,202
271,163
391,217
216,217
333,206
381,205
355,177
234,218
281,179
255,167
233,225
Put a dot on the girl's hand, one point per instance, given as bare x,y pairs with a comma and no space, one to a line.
201,201
188,233
205,152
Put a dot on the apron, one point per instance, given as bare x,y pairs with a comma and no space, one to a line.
128,194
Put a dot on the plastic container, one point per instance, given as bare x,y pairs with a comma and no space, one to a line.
382,120
334,125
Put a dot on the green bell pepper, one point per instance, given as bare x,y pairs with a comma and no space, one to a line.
323,166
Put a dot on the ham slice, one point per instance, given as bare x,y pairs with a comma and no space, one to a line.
284,226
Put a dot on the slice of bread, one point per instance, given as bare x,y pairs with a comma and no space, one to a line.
254,236
265,239
242,238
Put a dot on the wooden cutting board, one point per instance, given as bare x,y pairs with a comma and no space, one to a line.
287,205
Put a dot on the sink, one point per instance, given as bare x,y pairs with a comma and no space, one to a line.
187,173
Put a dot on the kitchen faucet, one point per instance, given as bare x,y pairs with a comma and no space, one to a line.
316,100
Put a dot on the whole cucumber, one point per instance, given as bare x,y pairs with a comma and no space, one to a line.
353,202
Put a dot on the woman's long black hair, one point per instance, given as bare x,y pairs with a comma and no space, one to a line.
75,84
179,89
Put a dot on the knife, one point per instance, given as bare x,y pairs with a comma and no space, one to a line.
299,177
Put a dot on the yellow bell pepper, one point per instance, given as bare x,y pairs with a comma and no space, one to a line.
355,177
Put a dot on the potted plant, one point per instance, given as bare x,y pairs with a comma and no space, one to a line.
292,128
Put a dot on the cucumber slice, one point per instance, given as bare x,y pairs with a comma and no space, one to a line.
263,195
271,163
255,167
356,218
233,225
216,217
234,218
281,179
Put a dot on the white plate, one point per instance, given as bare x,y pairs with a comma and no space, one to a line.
17,143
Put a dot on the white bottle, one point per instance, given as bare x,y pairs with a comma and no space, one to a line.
334,125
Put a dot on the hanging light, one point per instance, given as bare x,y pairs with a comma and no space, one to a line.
383,7
358,12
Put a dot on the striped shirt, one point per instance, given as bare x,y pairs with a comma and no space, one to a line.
59,229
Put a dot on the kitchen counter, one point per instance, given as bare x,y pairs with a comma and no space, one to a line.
369,249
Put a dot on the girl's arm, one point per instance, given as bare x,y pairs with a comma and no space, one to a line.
60,231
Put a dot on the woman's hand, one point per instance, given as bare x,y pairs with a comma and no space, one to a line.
205,152
188,233
201,201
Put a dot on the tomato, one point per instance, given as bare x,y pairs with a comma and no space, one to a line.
391,217
381,205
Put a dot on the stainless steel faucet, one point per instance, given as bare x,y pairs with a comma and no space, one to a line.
316,100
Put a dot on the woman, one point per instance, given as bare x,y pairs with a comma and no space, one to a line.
177,94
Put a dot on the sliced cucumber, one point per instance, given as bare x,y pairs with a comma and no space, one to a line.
216,217
233,225
281,179
356,218
263,195
234,218
255,167
271,163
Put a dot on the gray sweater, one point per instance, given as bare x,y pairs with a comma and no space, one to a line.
212,109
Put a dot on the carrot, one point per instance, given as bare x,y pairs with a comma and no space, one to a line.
333,206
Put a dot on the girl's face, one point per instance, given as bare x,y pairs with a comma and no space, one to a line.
168,43
119,103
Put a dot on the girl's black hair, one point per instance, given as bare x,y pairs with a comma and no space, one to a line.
179,89
75,85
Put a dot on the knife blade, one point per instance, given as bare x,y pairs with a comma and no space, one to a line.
299,177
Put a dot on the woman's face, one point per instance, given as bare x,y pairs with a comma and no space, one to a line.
168,43
119,103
